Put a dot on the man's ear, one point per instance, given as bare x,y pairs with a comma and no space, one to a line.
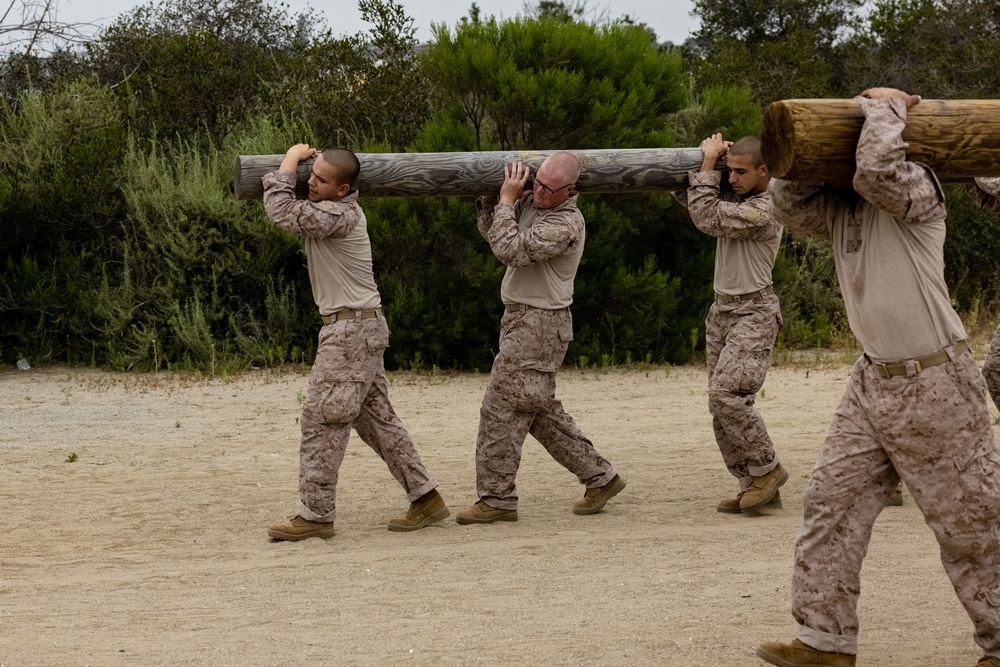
343,190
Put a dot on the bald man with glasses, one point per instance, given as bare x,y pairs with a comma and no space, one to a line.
539,236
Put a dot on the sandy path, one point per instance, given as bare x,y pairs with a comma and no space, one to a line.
150,548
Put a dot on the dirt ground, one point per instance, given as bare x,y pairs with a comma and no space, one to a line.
150,547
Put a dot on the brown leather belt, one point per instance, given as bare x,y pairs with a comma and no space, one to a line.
351,315
730,298
920,363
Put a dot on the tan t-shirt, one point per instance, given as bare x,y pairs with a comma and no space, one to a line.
541,248
748,235
338,251
888,241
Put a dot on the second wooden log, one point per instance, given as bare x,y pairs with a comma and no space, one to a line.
815,139
479,173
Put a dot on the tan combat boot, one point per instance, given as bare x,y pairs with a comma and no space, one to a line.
988,661
594,499
300,529
732,505
425,510
483,513
896,499
798,654
762,489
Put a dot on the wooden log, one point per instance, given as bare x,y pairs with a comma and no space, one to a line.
479,173
815,140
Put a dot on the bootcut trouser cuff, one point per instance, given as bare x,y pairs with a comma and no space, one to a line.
429,486
309,515
604,480
760,471
824,641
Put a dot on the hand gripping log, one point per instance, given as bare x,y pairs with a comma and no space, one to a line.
481,173
815,140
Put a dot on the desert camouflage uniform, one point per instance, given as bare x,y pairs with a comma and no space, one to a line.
520,397
986,193
991,368
347,385
929,427
739,335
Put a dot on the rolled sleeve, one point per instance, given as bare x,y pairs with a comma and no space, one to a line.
906,190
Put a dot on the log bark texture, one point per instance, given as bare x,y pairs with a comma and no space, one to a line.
815,140
479,173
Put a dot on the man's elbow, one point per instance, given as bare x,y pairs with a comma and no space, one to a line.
864,184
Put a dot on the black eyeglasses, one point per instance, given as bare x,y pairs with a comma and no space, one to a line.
549,191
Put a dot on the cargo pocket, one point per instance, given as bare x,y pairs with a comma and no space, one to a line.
754,432
378,342
502,465
753,370
340,401
536,387
993,596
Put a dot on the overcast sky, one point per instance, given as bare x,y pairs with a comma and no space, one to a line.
670,19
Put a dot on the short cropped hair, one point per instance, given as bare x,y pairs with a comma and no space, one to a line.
345,163
568,164
750,147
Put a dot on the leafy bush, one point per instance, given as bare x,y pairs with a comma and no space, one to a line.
60,160
121,244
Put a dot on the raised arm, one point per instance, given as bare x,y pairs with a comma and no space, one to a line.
314,219
324,219
550,235
907,190
748,219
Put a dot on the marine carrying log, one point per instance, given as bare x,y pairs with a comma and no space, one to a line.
480,173
815,139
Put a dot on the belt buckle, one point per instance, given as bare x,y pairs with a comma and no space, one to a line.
883,369
736,298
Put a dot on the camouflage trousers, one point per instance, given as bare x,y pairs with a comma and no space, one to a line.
739,337
347,387
931,429
991,368
520,399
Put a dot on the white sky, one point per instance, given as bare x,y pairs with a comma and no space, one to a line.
670,19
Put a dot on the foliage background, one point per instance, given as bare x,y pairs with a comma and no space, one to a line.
121,245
